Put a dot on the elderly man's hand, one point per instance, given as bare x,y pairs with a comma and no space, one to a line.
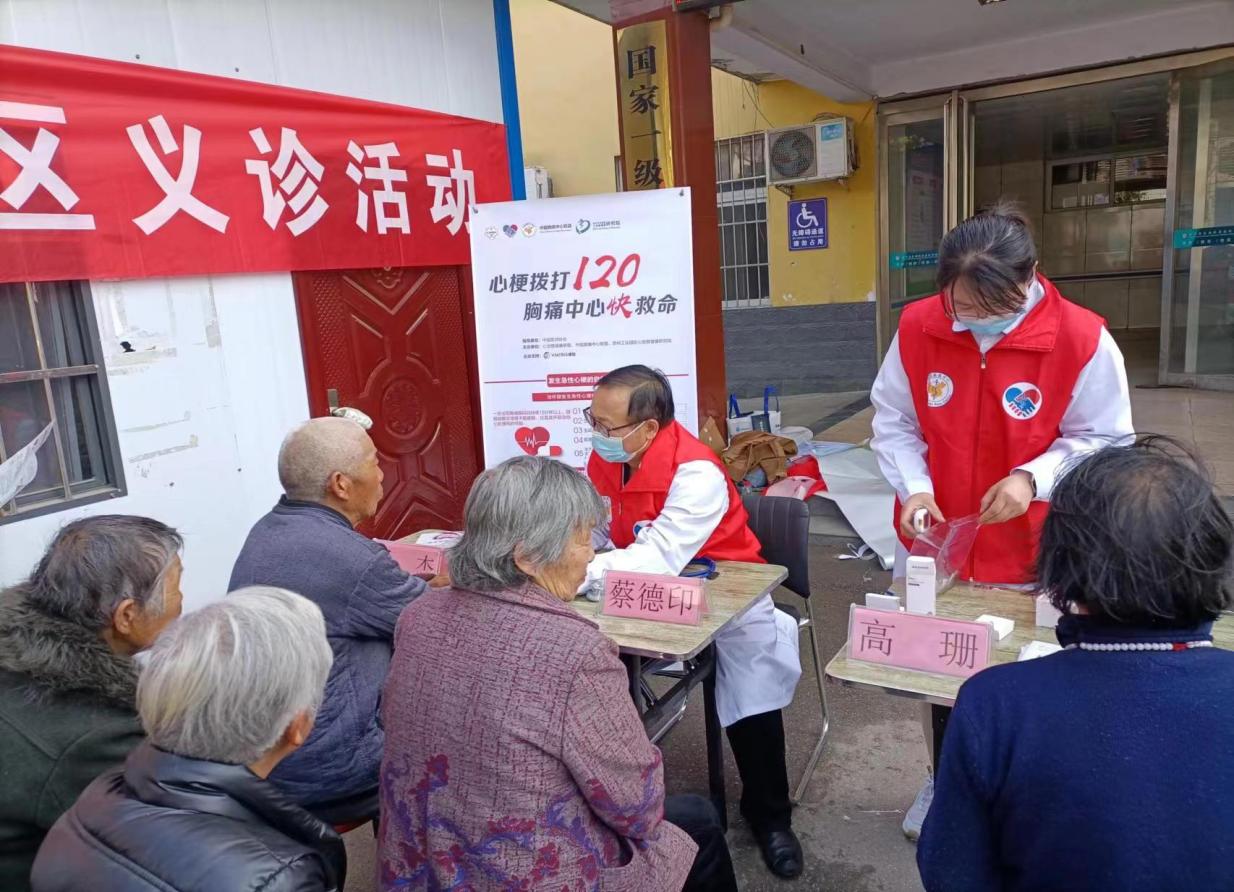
440,581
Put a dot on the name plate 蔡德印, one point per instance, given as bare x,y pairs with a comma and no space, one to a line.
665,599
918,642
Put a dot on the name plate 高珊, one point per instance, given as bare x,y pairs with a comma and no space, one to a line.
918,642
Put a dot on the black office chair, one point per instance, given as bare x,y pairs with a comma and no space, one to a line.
782,527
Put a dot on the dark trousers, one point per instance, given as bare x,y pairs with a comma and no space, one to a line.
713,866
758,748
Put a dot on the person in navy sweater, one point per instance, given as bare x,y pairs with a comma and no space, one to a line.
1109,765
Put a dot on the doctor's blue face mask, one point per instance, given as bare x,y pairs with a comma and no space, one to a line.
612,449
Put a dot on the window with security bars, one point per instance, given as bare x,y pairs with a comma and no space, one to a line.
741,199
53,389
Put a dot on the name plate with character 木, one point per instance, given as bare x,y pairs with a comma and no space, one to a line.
918,642
665,599
418,560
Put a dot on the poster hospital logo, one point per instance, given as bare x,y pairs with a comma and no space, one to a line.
582,226
1022,401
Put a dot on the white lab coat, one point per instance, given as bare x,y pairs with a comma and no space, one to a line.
758,659
1098,415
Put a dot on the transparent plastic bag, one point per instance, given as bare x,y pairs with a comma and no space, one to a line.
950,544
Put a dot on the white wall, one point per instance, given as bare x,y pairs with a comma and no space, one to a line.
217,377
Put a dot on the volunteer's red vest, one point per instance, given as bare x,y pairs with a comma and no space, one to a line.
643,496
982,418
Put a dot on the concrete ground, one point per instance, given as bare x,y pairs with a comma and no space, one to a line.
873,763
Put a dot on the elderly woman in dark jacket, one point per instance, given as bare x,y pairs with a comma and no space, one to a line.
1109,765
226,694
103,591
514,756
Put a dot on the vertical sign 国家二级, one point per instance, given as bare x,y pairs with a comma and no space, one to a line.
643,91
566,290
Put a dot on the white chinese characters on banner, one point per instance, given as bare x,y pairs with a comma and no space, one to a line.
299,178
290,184
178,191
35,172
385,197
566,290
453,194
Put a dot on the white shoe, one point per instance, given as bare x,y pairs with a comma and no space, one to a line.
918,810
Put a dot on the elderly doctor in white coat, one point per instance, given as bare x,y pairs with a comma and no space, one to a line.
670,500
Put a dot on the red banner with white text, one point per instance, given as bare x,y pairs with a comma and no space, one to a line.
113,170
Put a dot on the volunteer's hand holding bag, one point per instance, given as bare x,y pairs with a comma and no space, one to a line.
950,544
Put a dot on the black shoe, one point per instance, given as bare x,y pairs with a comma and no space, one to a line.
782,852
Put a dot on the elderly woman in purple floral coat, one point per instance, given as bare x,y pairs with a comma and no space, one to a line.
514,757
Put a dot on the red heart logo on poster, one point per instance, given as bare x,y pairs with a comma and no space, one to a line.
530,439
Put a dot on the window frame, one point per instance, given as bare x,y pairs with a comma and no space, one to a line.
742,192
95,373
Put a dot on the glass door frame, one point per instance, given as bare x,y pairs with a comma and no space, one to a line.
952,109
956,109
1165,376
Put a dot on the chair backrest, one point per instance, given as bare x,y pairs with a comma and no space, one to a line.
782,527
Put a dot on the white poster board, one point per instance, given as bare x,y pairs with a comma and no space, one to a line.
566,290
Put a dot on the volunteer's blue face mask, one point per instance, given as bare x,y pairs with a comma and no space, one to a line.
991,325
612,449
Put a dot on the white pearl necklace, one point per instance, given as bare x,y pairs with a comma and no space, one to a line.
1142,645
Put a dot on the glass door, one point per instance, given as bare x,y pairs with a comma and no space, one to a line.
1197,324
921,198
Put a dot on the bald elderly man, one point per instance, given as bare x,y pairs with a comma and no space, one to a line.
308,544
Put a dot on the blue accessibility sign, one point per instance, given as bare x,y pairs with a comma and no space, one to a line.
913,259
807,224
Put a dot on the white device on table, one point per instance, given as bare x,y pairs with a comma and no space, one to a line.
1002,625
920,585
887,601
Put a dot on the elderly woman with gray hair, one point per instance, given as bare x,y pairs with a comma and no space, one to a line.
514,757
226,694
104,590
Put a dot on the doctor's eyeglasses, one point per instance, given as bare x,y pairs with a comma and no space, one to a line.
606,431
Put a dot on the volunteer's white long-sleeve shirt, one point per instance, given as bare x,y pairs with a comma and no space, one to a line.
758,659
696,502
1099,414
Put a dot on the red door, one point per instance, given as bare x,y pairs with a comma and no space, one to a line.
393,344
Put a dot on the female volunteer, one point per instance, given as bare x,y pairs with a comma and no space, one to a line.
987,390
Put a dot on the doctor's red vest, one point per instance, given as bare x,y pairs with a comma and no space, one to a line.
643,496
981,417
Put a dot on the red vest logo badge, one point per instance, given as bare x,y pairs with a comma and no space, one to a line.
939,388
1022,401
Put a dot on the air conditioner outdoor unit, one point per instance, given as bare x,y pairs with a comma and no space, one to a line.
538,183
811,152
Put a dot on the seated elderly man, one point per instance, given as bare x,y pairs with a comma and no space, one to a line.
228,692
308,544
104,590
1108,765
515,758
